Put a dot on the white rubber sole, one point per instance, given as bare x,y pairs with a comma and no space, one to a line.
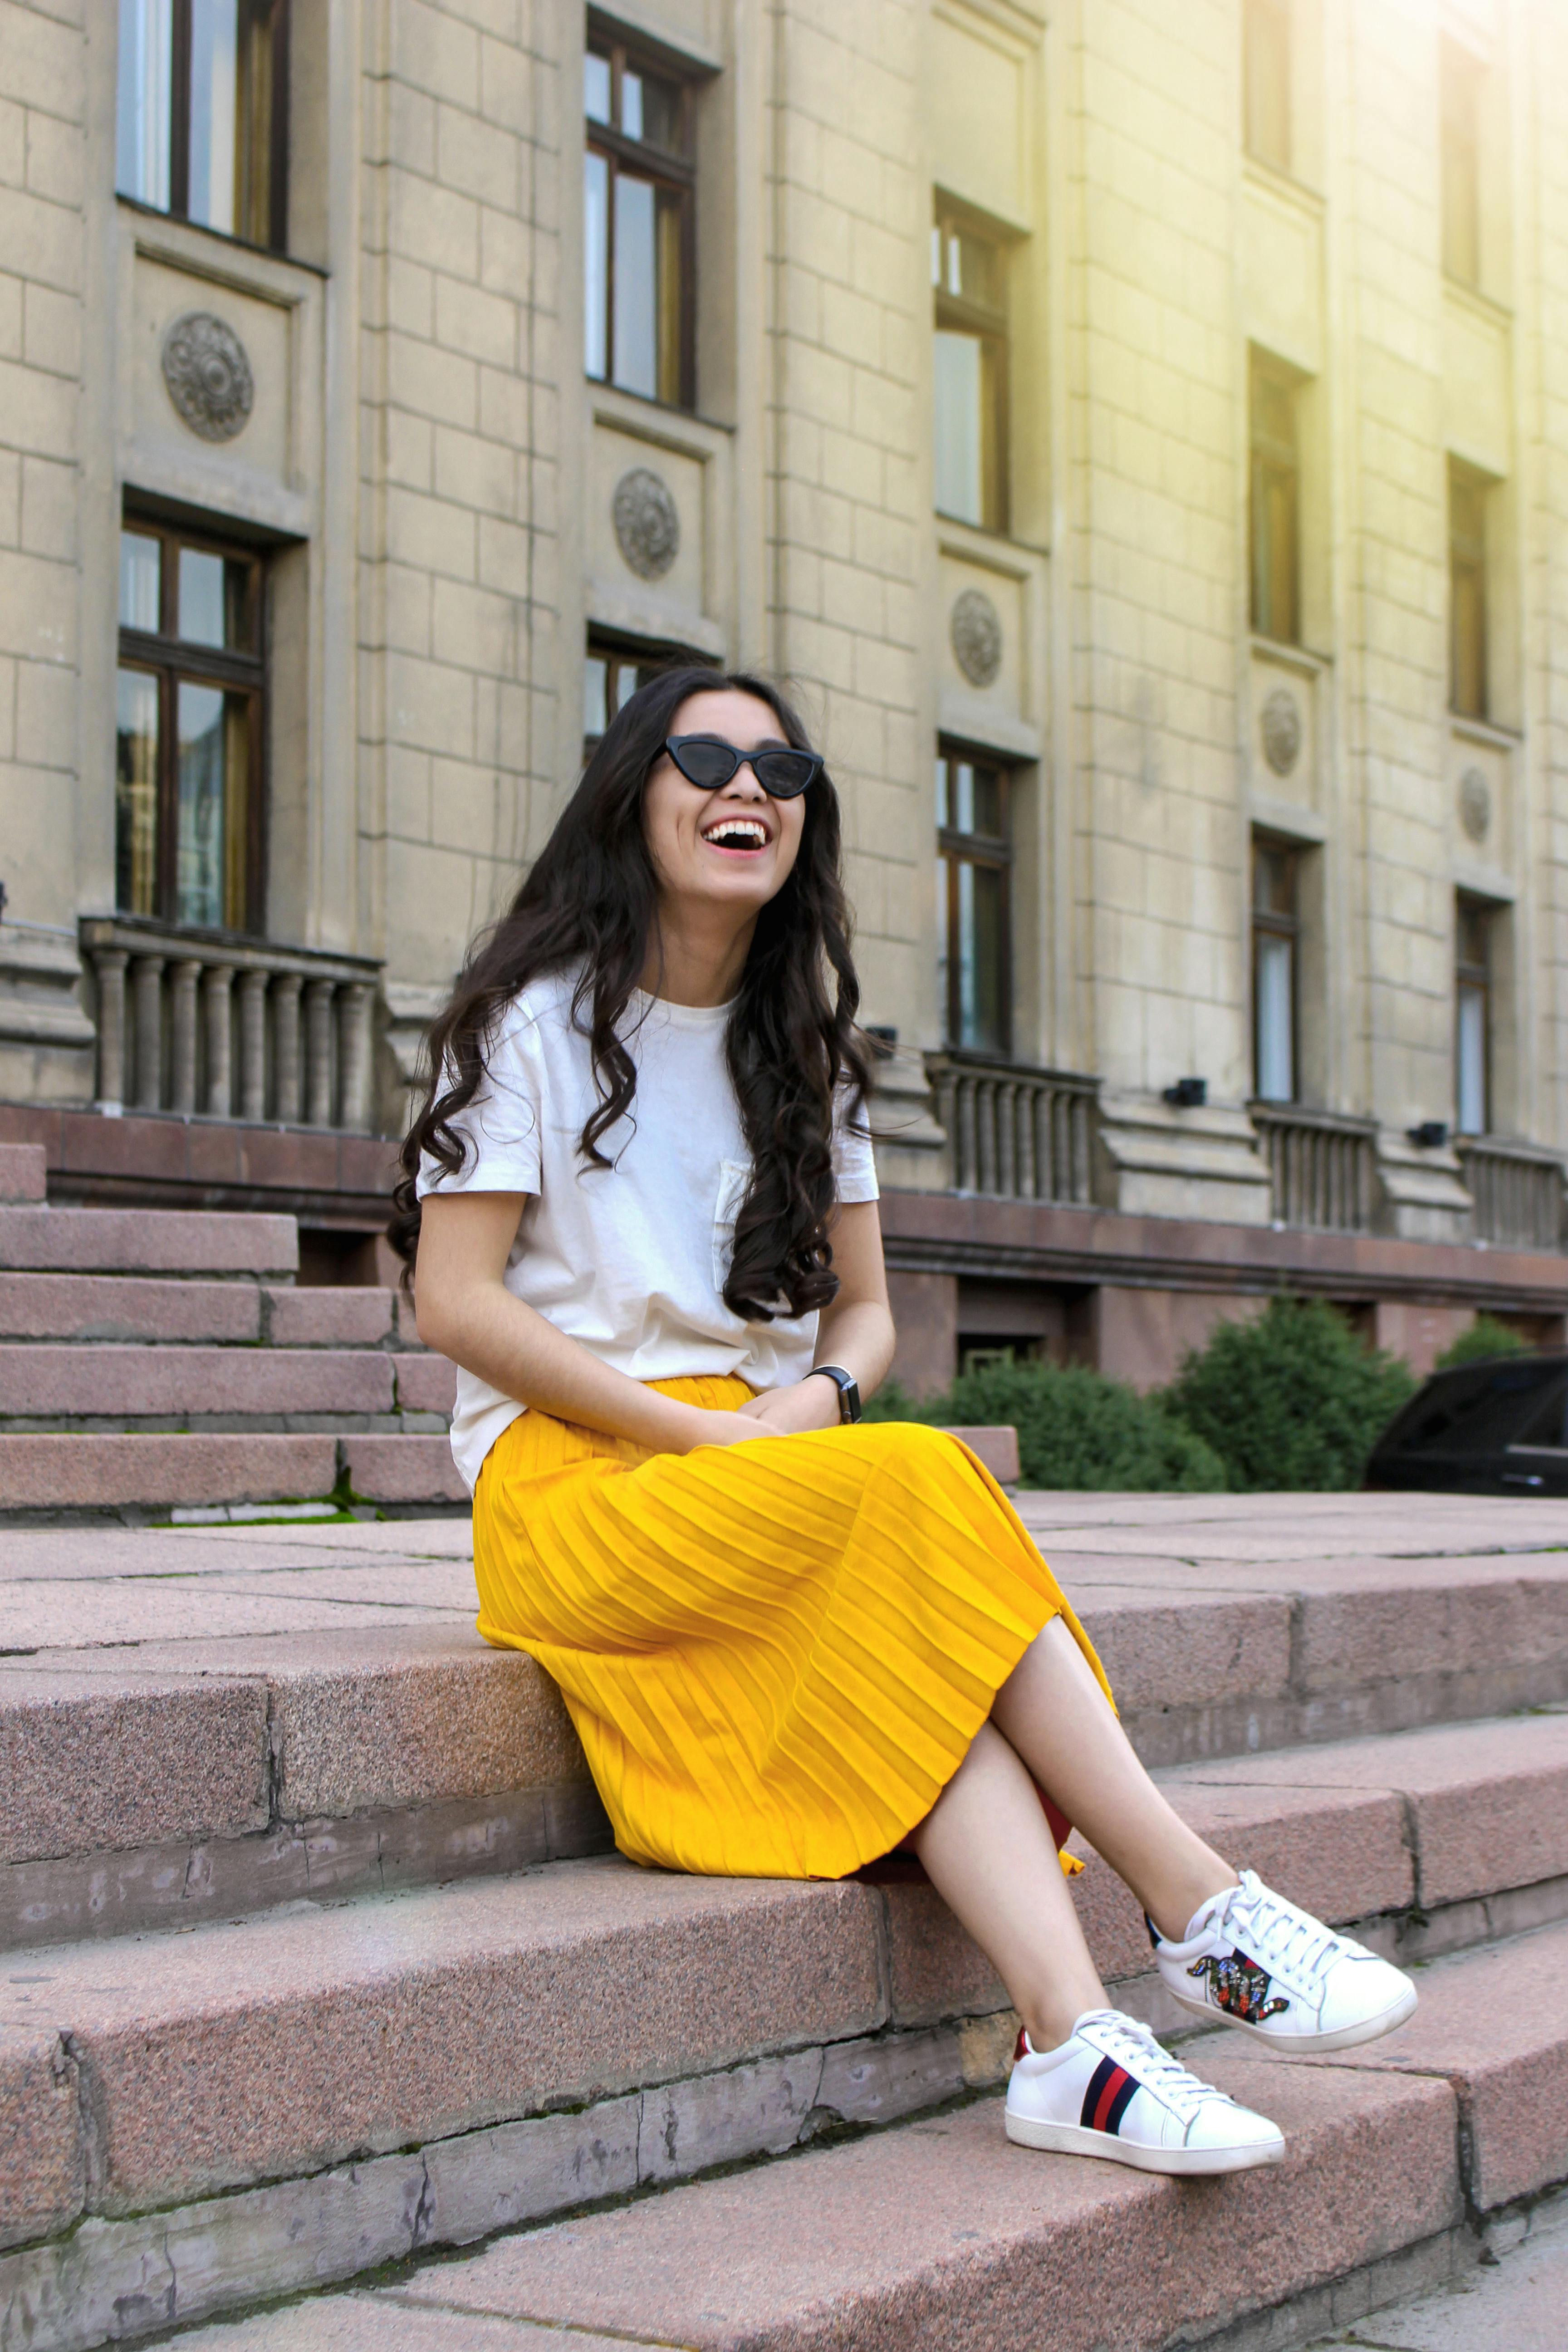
1349,2037
1077,2139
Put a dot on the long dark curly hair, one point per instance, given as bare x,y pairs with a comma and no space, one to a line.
792,1043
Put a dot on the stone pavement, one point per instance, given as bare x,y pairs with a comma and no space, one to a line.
1516,2303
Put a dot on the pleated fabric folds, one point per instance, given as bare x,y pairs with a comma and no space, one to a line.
775,1655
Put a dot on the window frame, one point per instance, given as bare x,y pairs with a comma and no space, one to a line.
1275,16
1468,593
1474,978
675,174
956,848
180,117
1269,922
1272,462
961,314
170,658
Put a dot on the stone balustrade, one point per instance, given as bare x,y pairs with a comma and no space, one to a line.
1323,1164
1518,1192
208,1025
1014,1132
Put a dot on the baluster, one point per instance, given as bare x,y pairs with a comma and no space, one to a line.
985,1135
968,1122
253,1045
1081,1115
147,980
183,1026
286,1046
110,964
218,988
1030,1142
1006,1141
319,1052
355,1005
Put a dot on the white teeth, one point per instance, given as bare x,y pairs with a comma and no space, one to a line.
748,828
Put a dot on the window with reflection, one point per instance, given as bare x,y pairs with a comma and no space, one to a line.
1275,519
1473,927
974,866
612,673
202,127
968,266
1467,592
1266,81
1274,932
188,729
1461,73
638,230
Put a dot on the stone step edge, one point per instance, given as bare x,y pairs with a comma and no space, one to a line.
115,2279
61,1478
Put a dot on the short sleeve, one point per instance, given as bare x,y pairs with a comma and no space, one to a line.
854,1167
499,1129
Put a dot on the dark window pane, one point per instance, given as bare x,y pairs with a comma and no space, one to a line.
596,266
596,87
139,580
663,118
979,951
1273,888
143,130
212,773
136,794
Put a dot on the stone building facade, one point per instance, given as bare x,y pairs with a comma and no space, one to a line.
1149,422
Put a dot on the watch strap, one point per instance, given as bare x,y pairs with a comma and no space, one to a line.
847,1386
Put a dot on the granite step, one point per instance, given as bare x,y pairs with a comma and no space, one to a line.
271,2106
24,1173
400,1746
51,1476
938,2236
145,1241
171,1312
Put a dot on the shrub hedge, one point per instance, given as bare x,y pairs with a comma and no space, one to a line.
1486,1336
1076,1429
1293,1401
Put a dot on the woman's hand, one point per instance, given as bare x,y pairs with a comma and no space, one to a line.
811,1403
701,1427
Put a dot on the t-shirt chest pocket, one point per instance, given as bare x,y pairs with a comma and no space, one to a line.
735,1176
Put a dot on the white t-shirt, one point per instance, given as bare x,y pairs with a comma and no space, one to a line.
629,1260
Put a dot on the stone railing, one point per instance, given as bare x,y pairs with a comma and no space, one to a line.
1017,1133
1518,1192
1323,1164
209,1024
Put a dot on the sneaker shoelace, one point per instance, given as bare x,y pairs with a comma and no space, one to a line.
1132,2046
1286,1939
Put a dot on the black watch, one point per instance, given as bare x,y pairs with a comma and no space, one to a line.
849,1389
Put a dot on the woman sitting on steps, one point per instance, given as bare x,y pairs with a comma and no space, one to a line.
642,1196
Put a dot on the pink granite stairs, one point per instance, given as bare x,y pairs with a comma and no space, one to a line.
309,1971
154,1361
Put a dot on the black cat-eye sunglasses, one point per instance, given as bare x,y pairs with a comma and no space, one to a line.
783,774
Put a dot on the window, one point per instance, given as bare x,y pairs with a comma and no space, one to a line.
1275,930
1466,592
1265,73
974,857
188,729
1275,506
611,675
1472,1017
637,227
202,115
1460,75
970,370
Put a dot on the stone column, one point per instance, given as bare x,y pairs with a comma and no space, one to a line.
184,1025
285,1046
253,1045
319,1052
356,1003
147,981
218,985
110,964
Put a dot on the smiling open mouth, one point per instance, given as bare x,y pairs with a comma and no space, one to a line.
736,833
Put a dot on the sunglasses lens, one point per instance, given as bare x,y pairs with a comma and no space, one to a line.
784,773
708,764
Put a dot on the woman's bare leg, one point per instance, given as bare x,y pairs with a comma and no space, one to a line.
1053,1713
987,1850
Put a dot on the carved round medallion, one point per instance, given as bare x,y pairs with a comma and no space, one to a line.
975,629
648,523
1281,724
207,371
1474,803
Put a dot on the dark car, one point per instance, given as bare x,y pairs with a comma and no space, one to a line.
1497,1427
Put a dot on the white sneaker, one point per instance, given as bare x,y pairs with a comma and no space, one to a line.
1111,2091
1257,1961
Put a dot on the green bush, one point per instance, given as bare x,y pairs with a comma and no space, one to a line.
1486,1336
1291,1402
1076,1429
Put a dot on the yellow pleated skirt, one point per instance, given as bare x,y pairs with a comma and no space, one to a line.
775,1655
